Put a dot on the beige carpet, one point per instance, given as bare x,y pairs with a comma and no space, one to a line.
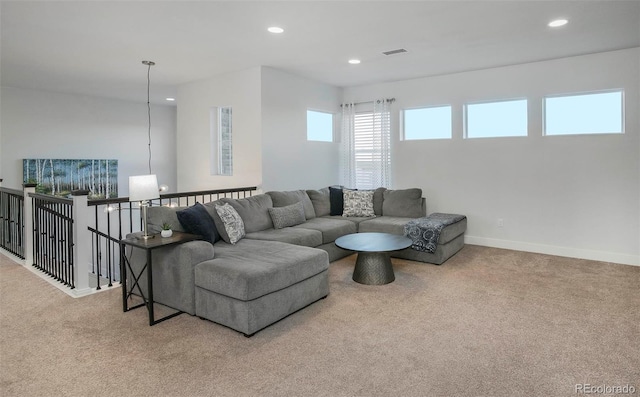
488,322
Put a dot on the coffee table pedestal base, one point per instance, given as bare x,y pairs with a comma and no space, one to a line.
373,268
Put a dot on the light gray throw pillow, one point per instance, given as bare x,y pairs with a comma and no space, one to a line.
289,215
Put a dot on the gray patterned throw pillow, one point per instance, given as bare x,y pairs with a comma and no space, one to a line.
233,224
358,203
289,215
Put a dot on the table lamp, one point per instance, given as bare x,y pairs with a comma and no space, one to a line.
143,188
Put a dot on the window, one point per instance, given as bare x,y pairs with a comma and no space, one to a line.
371,149
319,126
427,123
597,113
221,141
496,119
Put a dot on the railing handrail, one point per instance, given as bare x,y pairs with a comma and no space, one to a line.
50,198
174,195
12,191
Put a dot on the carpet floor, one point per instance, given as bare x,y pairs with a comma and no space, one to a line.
489,322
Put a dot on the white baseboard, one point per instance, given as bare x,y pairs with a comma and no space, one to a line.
601,256
74,293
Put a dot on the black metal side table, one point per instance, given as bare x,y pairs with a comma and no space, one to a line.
148,245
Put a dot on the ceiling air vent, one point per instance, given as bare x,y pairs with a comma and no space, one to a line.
394,52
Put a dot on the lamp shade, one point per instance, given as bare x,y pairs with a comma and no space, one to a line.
143,187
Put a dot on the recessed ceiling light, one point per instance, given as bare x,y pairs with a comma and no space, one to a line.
275,29
354,61
557,23
171,99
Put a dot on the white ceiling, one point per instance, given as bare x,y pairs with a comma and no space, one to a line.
96,47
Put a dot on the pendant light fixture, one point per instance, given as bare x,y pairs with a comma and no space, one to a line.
143,188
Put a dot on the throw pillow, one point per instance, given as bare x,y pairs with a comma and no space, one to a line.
336,201
233,224
290,215
405,203
358,203
282,199
196,220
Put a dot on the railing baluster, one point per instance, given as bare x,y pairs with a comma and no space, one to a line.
51,229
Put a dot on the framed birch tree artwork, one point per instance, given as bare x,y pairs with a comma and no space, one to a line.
59,177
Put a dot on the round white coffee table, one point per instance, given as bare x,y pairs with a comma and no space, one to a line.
373,265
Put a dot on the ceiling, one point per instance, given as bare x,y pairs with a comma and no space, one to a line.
96,47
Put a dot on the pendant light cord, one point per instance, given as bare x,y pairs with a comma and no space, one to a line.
149,64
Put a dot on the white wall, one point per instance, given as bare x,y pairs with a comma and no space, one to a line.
289,161
40,124
573,195
241,91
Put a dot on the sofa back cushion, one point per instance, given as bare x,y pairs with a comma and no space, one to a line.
282,199
254,211
320,201
156,216
403,203
378,199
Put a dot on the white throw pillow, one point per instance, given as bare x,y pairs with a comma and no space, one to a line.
358,203
233,224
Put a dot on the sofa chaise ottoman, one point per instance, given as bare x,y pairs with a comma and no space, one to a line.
254,283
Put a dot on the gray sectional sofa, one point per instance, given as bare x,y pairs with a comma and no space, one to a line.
280,263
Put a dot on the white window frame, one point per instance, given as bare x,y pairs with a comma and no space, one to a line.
585,93
403,123
466,118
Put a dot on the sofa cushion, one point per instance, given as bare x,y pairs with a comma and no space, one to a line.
196,220
378,199
233,224
358,203
384,224
282,199
156,216
320,200
291,235
253,211
254,268
331,229
353,219
289,215
336,201
403,203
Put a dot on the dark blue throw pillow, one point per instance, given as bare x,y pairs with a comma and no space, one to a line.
196,220
336,201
